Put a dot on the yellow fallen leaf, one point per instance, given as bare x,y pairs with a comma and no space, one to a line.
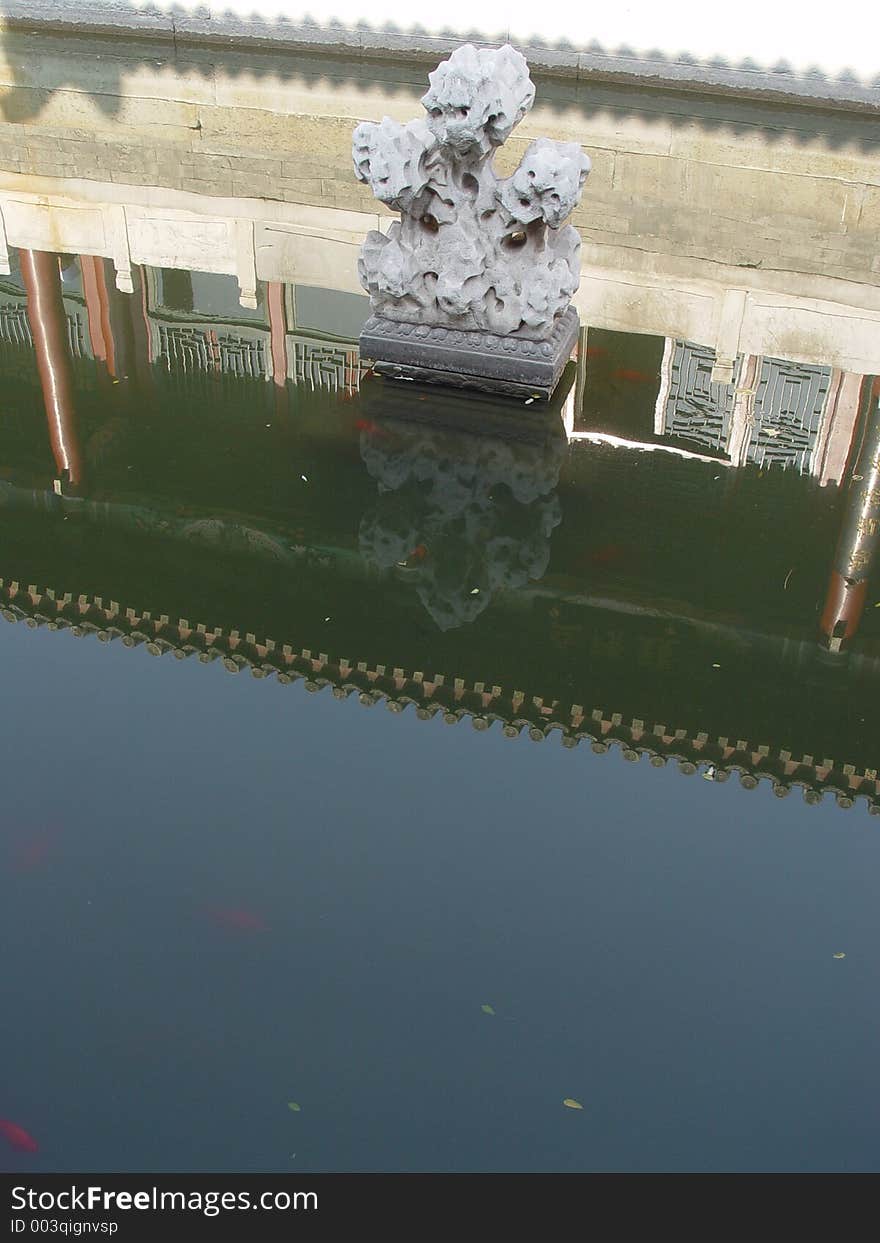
487,1009
294,1107
840,955
571,1103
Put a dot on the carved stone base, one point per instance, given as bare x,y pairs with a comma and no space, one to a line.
480,360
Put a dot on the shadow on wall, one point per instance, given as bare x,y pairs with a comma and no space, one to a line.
808,106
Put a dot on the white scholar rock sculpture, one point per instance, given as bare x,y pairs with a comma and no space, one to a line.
472,286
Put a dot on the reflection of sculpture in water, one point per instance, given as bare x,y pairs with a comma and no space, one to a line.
462,515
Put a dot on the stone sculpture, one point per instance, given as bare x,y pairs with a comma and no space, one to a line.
472,286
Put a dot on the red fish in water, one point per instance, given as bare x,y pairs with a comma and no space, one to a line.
371,428
595,351
17,1137
418,553
236,919
603,556
30,853
631,376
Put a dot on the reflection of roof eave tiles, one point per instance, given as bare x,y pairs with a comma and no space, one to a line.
433,694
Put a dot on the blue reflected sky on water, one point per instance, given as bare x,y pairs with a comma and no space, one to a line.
656,947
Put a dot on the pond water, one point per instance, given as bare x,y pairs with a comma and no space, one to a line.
535,832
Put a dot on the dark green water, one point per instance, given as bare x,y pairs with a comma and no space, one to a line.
220,895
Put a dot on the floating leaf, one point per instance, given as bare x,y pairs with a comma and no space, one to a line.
487,1009
294,1107
570,1103
840,955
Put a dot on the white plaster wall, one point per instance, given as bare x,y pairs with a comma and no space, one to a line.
318,247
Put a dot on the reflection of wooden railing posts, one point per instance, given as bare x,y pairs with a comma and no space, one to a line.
48,321
277,310
95,291
857,545
277,332
116,327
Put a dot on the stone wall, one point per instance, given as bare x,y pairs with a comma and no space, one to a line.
689,200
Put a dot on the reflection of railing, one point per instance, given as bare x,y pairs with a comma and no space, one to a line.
14,326
789,407
773,413
329,365
15,329
77,334
691,406
210,350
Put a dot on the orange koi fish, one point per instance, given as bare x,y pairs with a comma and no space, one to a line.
30,853
236,919
371,428
633,377
604,555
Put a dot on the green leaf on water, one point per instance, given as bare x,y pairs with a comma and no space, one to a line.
840,955
294,1107
570,1103
487,1009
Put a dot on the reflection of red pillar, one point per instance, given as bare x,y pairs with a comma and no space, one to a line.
844,605
859,539
118,322
98,309
45,309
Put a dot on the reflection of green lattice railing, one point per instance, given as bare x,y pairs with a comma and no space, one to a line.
16,331
14,326
785,406
77,335
323,364
205,351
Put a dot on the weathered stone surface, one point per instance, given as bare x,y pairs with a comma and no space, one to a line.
473,253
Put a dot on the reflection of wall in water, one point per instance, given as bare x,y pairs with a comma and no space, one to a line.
15,330
323,328
199,330
294,333
773,413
